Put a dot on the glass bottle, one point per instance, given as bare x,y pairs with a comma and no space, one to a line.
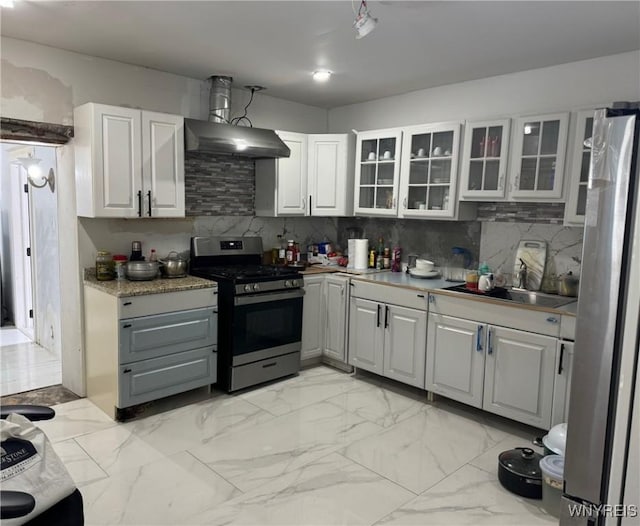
104,266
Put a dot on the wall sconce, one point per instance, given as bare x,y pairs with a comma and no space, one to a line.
34,172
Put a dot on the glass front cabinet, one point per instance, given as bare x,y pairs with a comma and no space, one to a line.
579,176
484,160
537,168
429,170
377,172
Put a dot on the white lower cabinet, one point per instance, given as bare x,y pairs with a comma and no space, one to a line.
324,317
455,358
312,317
519,369
506,371
388,339
562,382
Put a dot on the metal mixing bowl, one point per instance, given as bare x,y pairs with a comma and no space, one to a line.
142,270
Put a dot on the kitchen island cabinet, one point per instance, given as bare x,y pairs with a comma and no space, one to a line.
143,347
129,162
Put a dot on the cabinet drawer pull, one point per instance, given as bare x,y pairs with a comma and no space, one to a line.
127,370
561,358
552,319
489,342
420,295
272,364
378,317
139,203
479,339
126,303
386,316
149,196
126,326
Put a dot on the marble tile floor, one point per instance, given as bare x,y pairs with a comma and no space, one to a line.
25,365
321,448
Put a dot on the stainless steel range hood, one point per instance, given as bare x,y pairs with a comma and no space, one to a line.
217,136
257,143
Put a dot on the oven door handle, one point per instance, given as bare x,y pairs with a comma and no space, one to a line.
269,296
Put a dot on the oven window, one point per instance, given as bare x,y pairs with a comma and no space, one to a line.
265,325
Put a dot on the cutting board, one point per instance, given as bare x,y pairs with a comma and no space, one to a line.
534,254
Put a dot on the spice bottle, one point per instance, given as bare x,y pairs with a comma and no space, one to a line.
104,266
291,252
386,259
372,258
120,262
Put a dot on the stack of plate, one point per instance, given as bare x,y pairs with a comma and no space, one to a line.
419,273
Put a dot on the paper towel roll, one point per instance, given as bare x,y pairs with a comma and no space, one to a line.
360,256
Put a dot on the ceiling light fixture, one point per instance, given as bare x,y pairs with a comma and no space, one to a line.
34,172
364,22
322,75
7,3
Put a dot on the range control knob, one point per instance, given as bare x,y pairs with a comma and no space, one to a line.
256,287
294,282
287,284
247,288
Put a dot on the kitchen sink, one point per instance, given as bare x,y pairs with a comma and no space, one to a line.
523,297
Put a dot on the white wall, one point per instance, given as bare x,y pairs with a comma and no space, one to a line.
42,83
564,87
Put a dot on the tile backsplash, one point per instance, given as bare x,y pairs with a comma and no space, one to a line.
548,213
564,247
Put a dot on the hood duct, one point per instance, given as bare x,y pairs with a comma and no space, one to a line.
216,136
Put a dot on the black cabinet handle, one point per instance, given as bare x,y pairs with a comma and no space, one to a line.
378,317
127,370
139,203
126,326
272,364
149,196
420,295
310,205
127,303
386,316
561,358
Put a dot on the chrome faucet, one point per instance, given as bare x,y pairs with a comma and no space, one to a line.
522,275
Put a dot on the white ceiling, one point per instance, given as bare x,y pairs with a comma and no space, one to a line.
278,44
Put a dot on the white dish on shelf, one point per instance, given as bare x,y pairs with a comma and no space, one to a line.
426,274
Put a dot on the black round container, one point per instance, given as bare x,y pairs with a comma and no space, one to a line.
519,472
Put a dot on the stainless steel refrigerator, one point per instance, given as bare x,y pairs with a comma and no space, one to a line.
601,465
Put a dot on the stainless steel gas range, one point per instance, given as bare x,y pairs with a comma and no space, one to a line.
260,310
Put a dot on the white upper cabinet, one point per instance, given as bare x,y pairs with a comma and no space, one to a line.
579,176
129,163
377,172
484,160
537,166
316,179
429,170
330,174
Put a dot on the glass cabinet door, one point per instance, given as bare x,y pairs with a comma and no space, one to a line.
538,168
377,168
429,164
577,202
484,160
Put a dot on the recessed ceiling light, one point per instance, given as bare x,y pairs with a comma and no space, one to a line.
321,75
6,3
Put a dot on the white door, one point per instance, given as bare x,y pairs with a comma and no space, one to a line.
562,382
405,344
455,358
484,160
163,164
366,335
117,162
519,371
292,176
537,169
429,171
327,174
312,317
377,172
336,317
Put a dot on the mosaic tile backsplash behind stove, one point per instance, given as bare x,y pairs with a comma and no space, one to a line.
218,185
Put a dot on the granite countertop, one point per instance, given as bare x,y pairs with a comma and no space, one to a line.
436,285
140,288
325,269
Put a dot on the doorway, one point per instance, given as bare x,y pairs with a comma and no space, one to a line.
30,344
